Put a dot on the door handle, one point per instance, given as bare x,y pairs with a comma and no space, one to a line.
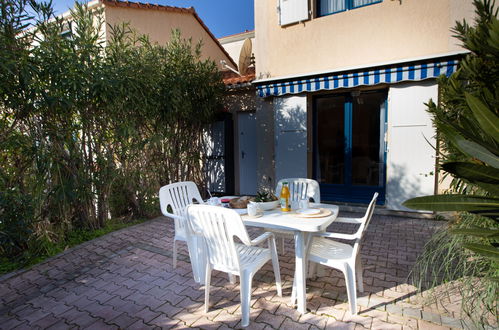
242,154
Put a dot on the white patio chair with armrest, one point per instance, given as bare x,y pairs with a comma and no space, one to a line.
178,196
219,227
344,257
299,188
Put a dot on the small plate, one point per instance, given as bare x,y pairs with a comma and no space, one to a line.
246,216
241,211
308,211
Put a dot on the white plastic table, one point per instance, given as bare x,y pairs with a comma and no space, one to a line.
303,229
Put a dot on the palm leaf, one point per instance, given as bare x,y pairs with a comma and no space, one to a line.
478,232
473,172
454,133
477,151
452,203
487,251
487,119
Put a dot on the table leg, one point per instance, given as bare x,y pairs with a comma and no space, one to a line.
302,241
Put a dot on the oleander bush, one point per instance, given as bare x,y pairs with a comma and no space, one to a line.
90,130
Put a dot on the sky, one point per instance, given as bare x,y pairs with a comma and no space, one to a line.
223,17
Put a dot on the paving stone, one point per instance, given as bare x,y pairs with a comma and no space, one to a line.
338,325
394,309
412,312
123,321
316,321
168,309
422,324
101,325
139,325
381,325
118,280
12,322
59,325
288,312
146,315
431,317
228,319
451,322
163,321
273,320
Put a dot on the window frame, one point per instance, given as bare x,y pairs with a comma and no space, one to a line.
348,6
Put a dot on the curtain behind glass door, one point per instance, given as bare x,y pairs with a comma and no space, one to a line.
330,144
367,160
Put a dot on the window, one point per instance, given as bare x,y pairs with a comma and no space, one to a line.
327,7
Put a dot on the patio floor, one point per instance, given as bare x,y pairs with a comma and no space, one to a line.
125,280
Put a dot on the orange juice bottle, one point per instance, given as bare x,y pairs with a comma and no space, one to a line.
284,198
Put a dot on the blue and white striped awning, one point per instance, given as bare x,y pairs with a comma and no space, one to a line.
387,74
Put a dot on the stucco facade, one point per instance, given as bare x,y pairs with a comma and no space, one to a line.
158,25
157,22
321,79
383,32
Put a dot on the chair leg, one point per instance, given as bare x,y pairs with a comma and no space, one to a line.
207,281
312,269
321,270
174,253
245,284
358,271
350,280
275,265
293,293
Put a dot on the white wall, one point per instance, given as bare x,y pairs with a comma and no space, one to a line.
290,137
411,158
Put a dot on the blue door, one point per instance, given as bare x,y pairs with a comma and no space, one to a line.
349,146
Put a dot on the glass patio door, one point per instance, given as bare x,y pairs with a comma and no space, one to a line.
349,146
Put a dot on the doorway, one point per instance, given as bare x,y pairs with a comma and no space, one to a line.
246,127
349,148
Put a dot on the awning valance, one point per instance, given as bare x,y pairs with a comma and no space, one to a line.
412,71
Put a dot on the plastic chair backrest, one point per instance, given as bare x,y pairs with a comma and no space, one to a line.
300,188
365,220
218,226
178,196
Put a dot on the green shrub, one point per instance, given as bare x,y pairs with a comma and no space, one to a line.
89,132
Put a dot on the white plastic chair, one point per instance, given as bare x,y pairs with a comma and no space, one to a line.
219,227
178,196
343,256
299,188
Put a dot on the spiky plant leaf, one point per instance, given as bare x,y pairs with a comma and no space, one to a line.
452,203
473,172
486,118
477,232
491,188
477,151
488,251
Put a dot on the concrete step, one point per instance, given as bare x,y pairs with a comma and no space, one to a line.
382,210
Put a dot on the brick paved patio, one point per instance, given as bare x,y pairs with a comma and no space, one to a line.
125,280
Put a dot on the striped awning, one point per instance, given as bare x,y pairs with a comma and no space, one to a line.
413,71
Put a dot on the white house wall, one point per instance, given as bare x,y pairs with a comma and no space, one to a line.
290,137
411,159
